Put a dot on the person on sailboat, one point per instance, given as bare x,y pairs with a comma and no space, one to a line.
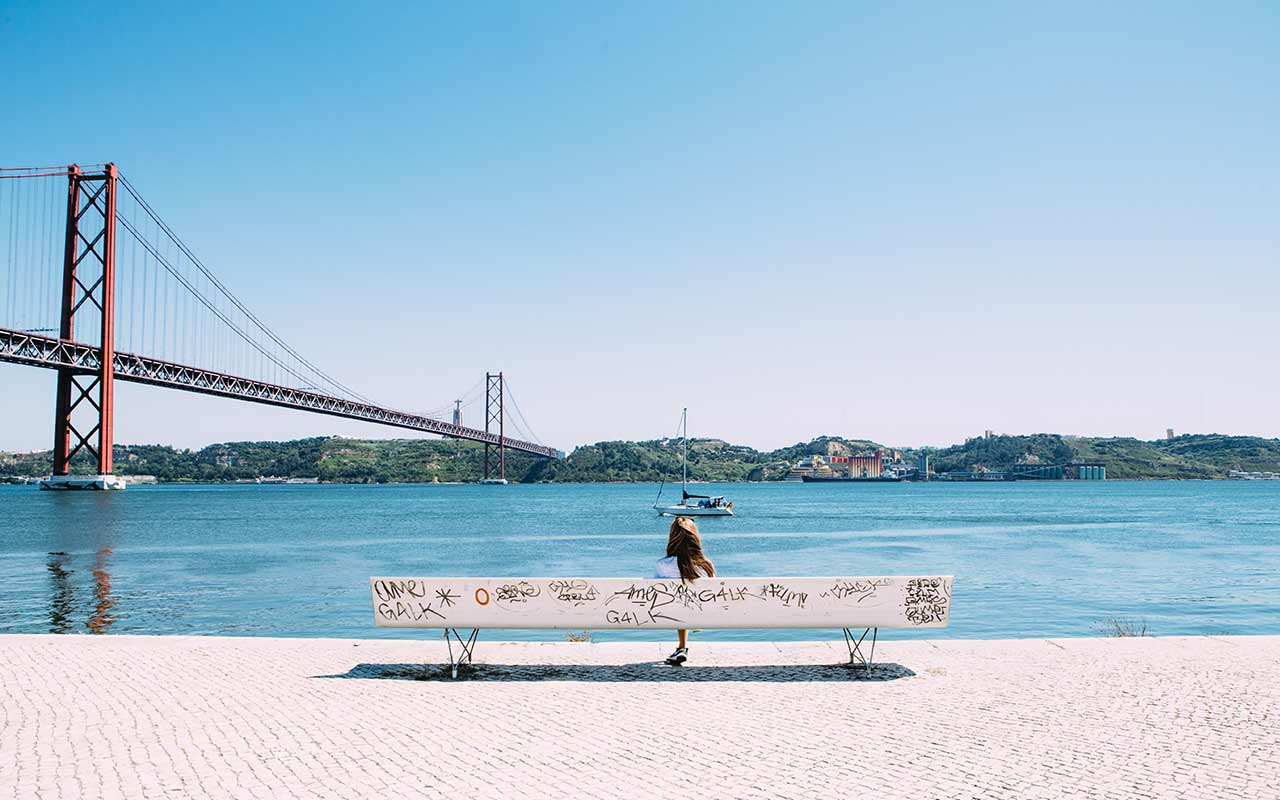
685,561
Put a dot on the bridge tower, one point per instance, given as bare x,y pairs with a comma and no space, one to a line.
85,410
493,417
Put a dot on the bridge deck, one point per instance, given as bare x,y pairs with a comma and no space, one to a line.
51,353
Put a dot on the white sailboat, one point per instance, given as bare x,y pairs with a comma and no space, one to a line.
692,505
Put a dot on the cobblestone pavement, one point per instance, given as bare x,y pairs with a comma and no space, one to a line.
133,716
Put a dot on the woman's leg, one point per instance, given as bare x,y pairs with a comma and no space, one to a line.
679,656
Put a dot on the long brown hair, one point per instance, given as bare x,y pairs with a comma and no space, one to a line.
684,543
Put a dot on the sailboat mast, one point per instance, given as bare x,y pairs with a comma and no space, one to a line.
684,461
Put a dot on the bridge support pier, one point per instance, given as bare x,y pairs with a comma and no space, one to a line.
85,414
493,391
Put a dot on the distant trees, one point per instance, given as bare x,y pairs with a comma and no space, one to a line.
422,461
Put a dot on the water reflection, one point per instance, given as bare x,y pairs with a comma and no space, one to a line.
62,598
102,618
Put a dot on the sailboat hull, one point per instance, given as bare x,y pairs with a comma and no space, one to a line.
693,511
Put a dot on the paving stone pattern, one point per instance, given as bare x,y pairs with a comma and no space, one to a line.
137,716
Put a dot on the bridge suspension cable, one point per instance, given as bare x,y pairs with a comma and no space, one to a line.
29,258
467,400
215,297
522,426
97,286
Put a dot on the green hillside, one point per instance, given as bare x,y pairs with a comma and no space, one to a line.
327,458
334,459
1194,456
1247,453
1002,452
423,461
1133,458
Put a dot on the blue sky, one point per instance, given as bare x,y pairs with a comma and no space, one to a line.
908,223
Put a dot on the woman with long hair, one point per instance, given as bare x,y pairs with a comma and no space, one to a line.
686,561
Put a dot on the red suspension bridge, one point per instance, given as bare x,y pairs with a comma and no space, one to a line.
97,287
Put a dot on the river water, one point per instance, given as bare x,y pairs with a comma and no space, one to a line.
1029,559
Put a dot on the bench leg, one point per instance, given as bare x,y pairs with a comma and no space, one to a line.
856,657
467,645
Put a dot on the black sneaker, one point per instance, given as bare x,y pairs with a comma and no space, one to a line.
680,656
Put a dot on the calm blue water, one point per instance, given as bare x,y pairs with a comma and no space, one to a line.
1030,559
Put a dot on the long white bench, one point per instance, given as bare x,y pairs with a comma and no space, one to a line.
865,603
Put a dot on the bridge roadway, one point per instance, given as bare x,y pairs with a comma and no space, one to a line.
51,353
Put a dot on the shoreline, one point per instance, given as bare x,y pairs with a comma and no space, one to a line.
1208,456
515,482
806,648
261,717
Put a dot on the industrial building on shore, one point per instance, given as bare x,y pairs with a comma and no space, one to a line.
885,465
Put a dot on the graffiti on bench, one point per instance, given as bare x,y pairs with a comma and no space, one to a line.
577,603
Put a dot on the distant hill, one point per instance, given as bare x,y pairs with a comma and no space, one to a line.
421,461
327,458
1205,456
1247,453
1002,452
659,459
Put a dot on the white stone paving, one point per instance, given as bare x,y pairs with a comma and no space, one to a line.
133,716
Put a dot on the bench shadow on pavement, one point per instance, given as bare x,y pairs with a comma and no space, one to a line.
645,671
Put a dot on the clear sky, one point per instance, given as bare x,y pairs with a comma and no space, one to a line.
908,222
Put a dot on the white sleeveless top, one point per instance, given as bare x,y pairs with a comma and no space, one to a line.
669,567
